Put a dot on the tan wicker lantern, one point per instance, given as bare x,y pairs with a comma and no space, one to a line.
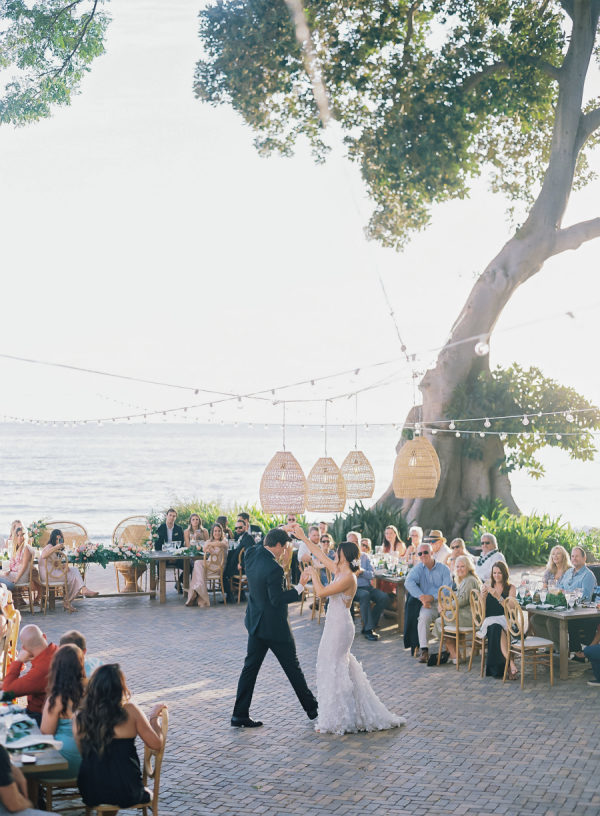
325,487
358,475
417,470
283,485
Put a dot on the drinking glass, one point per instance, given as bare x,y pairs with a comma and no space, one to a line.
570,597
543,595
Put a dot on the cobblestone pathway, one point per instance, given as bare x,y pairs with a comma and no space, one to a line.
470,747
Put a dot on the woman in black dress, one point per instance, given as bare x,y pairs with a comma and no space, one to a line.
105,729
494,625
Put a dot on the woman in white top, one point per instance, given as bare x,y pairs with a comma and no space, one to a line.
75,583
198,593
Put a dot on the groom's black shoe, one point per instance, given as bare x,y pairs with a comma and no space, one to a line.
312,715
371,635
245,722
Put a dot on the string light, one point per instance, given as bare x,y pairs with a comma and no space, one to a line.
525,420
487,423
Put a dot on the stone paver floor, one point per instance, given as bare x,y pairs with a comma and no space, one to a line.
471,746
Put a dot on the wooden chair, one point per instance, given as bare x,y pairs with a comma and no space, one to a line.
74,535
131,530
151,771
214,563
239,580
55,578
13,624
60,791
448,606
478,615
27,587
286,563
525,647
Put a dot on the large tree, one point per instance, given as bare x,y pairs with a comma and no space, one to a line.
430,94
46,47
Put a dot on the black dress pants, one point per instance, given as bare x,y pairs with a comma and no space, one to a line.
285,652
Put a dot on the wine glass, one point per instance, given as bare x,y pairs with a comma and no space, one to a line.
570,598
578,594
543,595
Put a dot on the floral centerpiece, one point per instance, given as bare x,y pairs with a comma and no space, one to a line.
130,552
34,532
153,523
90,553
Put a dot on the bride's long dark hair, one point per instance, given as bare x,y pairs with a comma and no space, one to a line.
351,553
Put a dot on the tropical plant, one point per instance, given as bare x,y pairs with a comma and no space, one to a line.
370,522
209,512
485,506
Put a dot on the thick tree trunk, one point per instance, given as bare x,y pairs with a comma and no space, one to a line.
463,480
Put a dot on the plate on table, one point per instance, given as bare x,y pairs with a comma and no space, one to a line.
544,606
559,608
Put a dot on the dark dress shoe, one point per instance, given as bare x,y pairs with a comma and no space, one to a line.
424,656
371,635
578,659
245,722
444,657
312,715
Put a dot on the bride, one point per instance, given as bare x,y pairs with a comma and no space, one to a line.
347,703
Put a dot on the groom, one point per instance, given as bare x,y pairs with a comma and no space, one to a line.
269,628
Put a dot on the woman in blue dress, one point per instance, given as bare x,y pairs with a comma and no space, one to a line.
66,686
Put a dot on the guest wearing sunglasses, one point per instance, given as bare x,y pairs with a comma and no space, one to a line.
422,583
458,549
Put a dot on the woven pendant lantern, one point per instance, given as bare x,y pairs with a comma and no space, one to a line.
325,487
358,475
417,470
283,485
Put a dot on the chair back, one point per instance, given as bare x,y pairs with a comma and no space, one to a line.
74,534
133,530
55,569
477,608
153,760
214,561
448,605
514,619
13,624
241,561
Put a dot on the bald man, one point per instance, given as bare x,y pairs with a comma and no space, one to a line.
37,651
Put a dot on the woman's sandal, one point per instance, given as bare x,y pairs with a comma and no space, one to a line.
513,675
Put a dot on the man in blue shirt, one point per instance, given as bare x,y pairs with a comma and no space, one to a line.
578,576
423,582
367,594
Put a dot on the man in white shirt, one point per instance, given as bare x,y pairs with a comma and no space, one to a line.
490,555
439,549
304,555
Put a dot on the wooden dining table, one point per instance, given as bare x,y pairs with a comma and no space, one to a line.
563,616
158,570
399,591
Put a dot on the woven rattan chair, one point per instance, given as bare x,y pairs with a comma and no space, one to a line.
448,606
525,648
478,615
27,587
239,581
214,563
74,535
131,530
152,767
55,578
9,646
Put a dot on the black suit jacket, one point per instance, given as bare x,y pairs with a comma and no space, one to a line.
162,535
267,610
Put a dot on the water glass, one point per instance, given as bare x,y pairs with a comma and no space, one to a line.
543,595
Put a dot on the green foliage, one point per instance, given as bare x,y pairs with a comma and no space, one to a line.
516,391
485,506
369,522
529,539
209,511
47,47
428,94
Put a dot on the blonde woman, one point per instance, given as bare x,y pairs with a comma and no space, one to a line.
458,549
466,580
21,561
195,531
558,563
10,541
198,593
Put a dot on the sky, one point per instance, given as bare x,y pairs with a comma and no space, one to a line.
143,235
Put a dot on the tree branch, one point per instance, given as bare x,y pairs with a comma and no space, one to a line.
576,235
409,31
67,60
588,123
502,67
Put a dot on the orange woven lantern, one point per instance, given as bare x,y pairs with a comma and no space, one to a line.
417,470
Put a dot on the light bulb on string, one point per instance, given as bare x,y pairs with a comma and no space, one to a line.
452,426
503,437
481,434
569,417
457,434
559,436
525,420
487,423
434,431
482,348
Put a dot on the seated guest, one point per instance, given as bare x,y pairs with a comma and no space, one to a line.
490,555
457,549
579,576
169,532
13,789
20,563
195,531
198,593
75,585
77,639
422,583
253,529
243,542
466,580
105,729
323,528
367,594
558,563
392,543
66,685
592,652
415,535
439,549
304,556
494,625
327,544
10,541
36,651
222,520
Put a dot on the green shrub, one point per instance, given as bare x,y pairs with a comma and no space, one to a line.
485,506
529,539
369,522
209,512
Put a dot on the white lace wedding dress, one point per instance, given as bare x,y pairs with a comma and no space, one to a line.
347,703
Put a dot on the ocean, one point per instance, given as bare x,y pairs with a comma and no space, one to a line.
99,475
